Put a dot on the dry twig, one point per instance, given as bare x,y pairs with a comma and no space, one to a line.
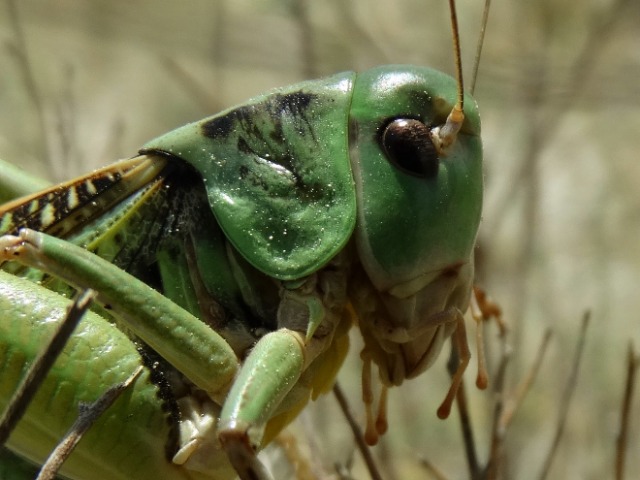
357,433
566,398
42,365
87,416
633,361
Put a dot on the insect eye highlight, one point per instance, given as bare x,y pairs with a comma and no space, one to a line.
408,145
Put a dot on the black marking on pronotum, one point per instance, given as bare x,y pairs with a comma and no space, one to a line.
282,159
263,123
239,120
296,104
310,191
263,132
277,106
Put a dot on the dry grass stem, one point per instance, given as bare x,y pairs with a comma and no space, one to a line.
566,398
86,418
633,361
42,365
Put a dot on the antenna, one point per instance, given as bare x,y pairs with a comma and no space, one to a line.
483,28
445,136
458,56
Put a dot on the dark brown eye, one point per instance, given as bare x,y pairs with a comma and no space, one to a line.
408,145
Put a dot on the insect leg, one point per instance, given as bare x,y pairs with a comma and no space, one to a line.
268,374
184,341
460,339
96,357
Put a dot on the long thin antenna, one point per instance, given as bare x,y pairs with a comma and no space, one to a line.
476,63
445,136
456,51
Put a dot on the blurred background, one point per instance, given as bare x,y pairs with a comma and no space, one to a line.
85,83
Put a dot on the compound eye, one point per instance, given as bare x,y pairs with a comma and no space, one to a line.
408,145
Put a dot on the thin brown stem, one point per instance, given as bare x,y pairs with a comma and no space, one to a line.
633,361
512,404
467,432
496,450
483,28
357,433
87,416
42,365
566,398
435,472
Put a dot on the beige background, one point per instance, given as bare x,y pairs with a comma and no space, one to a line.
560,100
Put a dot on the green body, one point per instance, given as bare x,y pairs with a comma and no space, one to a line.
278,176
97,357
257,226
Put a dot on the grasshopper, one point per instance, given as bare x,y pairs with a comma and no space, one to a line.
231,257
